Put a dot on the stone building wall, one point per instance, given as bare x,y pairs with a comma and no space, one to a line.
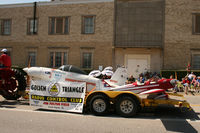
100,42
179,40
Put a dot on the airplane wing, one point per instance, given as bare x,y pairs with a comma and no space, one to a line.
119,78
153,91
111,83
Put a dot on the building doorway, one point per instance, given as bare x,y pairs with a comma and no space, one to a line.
137,63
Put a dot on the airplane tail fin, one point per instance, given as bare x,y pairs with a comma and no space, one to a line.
118,78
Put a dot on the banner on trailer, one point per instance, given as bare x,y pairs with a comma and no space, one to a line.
67,96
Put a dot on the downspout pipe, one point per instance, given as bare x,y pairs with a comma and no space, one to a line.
34,17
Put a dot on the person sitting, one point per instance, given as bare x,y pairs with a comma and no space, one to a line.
198,84
152,80
175,89
131,79
198,80
5,60
195,83
191,76
186,84
141,79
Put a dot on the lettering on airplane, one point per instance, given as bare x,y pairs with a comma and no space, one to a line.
57,99
58,74
47,72
38,87
73,89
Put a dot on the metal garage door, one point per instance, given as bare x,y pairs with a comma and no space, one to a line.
137,65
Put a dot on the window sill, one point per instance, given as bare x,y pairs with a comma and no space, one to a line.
5,35
87,33
60,34
32,34
195,33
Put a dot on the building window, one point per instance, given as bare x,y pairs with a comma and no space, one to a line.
31,28
32,58
5,27
196,23
196,61
58,59
88,24
59,25
87,60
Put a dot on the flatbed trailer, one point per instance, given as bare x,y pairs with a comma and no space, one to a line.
126,103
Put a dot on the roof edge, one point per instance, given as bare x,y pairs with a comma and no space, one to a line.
52,3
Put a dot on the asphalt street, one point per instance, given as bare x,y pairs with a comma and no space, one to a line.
18,116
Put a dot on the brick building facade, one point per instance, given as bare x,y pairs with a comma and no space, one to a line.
139,35
157,34
182,34
143,35
67,32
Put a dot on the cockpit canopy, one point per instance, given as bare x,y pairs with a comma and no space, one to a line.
71,68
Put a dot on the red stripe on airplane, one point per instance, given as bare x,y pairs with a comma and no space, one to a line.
73,80
113,81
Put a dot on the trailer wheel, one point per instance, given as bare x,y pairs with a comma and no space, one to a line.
126,106
99,105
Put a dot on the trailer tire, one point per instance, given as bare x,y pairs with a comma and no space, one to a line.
99,105
126,106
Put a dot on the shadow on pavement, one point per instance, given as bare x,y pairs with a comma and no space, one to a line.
179,126
172,118
12,103
168,113
175,120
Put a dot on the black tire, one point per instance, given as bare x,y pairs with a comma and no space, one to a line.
126,106
20,88
99,105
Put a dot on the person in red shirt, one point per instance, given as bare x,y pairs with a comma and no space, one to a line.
186,84
5,60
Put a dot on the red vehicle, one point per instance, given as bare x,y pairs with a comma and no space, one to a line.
12,83
154,87
159,87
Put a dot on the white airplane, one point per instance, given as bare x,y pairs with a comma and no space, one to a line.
67,73
73,74
117,82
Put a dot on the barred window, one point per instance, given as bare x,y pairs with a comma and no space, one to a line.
87,60
196,23
5,27
32,58
88,24
59,25
196,61
31,28
58,59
